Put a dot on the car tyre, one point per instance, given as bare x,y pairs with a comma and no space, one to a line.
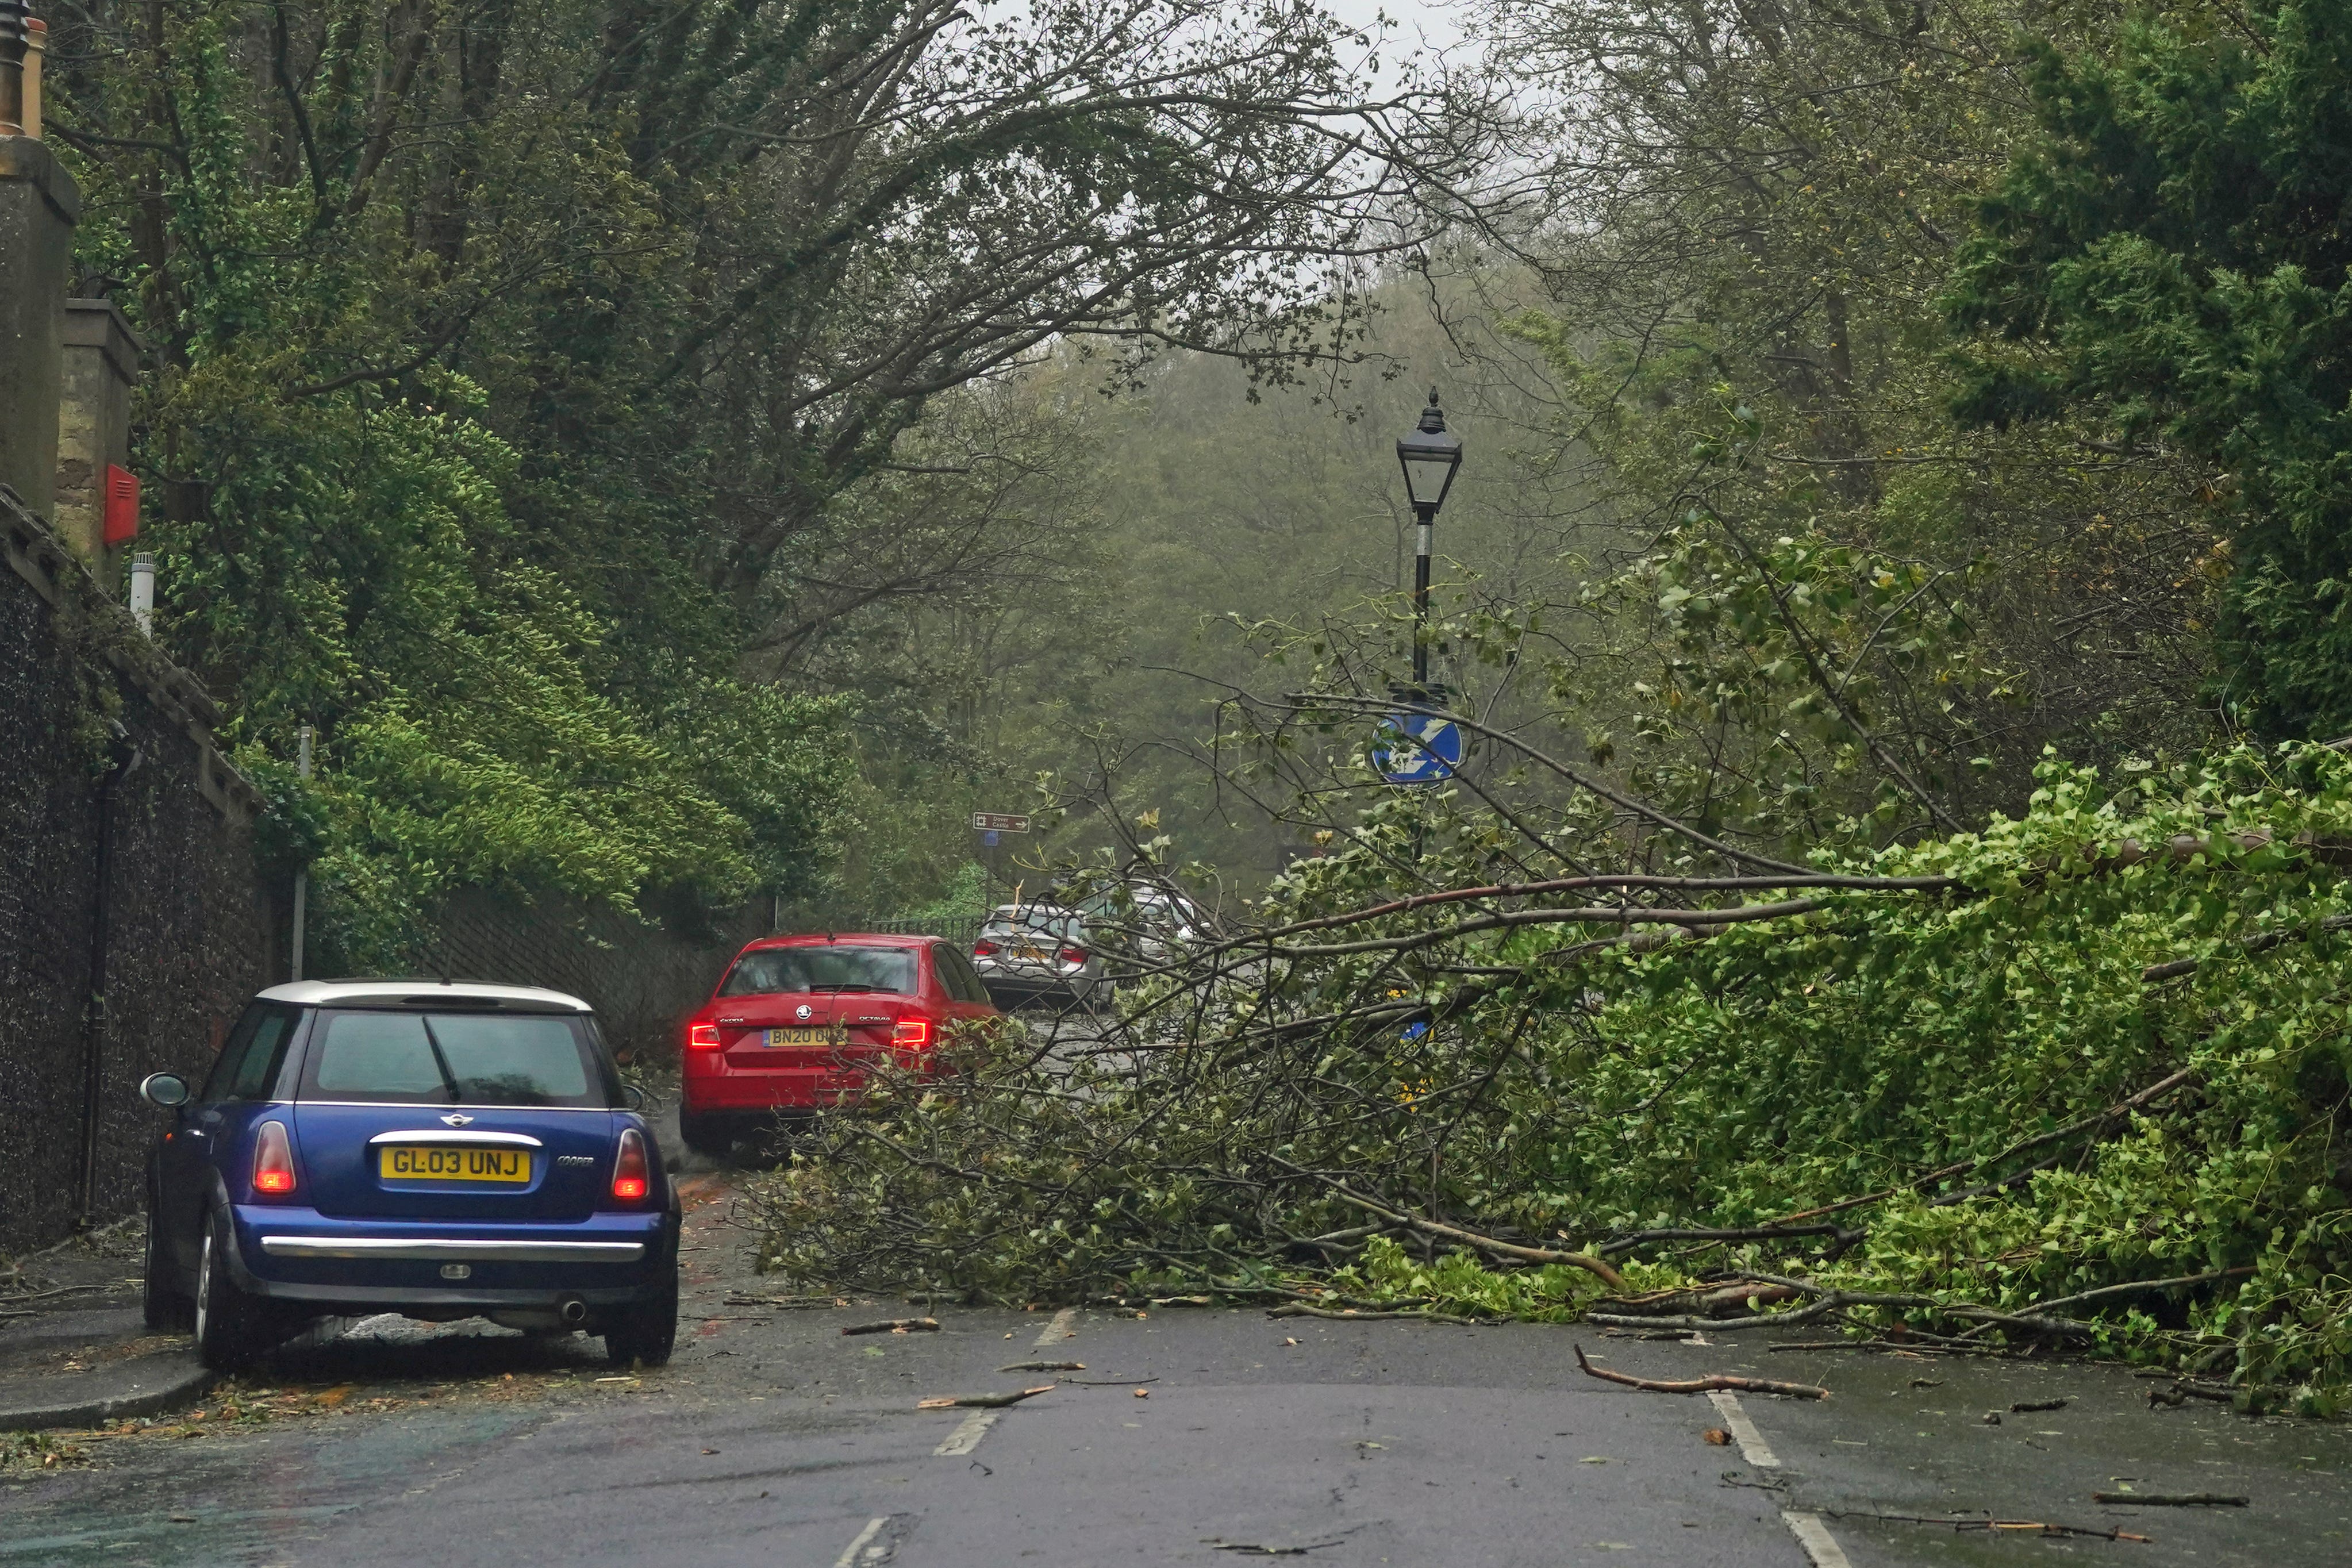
168,1308
644,1333
231,1326
707,1132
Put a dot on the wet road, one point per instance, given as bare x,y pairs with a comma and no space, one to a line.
774,1439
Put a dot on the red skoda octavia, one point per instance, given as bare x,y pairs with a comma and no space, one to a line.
796,1017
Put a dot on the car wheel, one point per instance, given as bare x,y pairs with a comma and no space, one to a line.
168,1309
229,1324
706,1132
644,1334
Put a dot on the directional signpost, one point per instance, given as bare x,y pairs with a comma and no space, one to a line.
1417,749
998,822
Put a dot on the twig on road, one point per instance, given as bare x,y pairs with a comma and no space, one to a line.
895,1326
2035,1525
2173,1500
1713,1382
983,1400
1351,1315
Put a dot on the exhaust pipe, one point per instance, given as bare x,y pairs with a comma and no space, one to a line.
573,1310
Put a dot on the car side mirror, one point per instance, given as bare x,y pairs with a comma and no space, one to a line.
632,1097
166,1089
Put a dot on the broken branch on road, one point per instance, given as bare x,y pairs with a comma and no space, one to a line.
1712,1383
895,1326
983,1400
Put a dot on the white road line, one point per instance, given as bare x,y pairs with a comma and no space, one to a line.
1752,1447
848,1558
966,1438
1815,1538
1059,1329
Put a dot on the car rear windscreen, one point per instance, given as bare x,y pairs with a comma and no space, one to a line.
454,1059
833,967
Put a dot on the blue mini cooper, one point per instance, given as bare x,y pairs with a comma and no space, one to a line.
441,1151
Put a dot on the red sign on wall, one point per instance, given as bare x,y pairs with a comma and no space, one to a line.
121,505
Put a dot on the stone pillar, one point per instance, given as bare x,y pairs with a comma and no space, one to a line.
38,208
101,365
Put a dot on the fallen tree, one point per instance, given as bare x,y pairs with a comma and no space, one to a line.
2055,1093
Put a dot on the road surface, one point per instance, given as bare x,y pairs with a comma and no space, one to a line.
776,1440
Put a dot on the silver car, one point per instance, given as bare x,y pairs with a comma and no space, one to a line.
1028,952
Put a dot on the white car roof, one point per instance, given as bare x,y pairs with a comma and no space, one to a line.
322,993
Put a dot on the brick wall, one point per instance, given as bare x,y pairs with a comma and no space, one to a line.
189,928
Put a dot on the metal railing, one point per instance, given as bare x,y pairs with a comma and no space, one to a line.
963,930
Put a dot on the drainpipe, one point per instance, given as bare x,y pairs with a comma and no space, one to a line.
302,878
94,1018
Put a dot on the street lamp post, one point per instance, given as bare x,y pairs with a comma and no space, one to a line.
1429,456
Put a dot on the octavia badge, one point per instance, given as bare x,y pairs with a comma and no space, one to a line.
803,1011
459,1118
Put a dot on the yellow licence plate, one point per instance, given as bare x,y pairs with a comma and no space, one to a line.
406,1163
809,1037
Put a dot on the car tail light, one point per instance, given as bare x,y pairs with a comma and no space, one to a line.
911,1034
702,1036
984,950
1073,956
630,1178
273,1160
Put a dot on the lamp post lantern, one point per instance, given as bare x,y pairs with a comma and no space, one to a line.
1429,456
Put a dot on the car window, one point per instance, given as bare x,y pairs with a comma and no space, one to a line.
247,1066
832,967
957,975
455,1059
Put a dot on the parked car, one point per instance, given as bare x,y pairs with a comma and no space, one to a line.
1144,928
796,1020
1028,952
438,1150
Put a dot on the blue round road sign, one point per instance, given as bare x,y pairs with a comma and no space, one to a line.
1415,748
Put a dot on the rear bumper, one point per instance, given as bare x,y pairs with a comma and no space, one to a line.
443,1249
302,1255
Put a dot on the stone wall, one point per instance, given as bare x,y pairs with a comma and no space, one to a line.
190,931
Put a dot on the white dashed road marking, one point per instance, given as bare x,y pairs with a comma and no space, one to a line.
1815,1538
1752,1447
1812,1535
966,1438
851,1554
1064,1322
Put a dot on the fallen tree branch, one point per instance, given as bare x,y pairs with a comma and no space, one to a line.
895,1326
2141,1287
1615,1280
1353,1315
1712,1383
2173,1500
983,1400
1617,1243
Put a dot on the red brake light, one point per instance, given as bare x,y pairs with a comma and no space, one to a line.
1073,956
273,1160
702,1036
984,950
630,1178
911,1034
